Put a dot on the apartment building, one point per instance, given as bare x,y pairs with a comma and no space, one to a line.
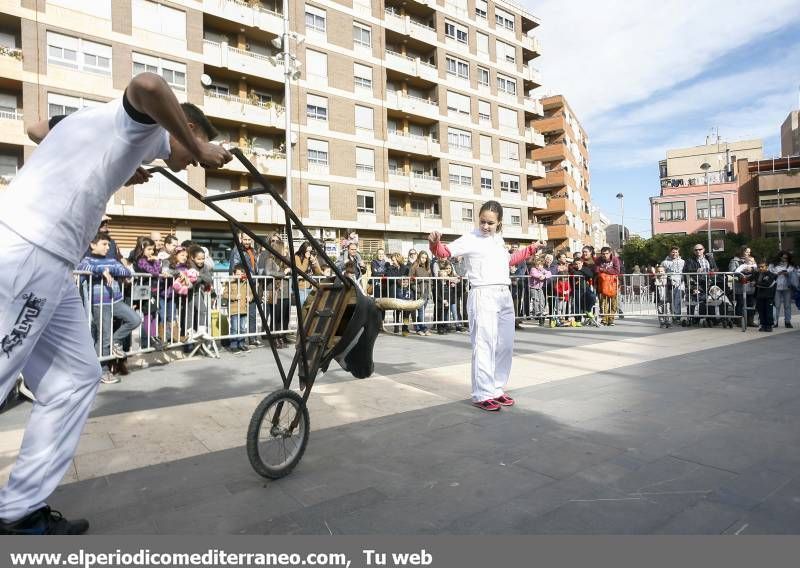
683,207
790,134
567,211
406,114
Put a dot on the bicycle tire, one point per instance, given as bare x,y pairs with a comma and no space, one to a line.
260,452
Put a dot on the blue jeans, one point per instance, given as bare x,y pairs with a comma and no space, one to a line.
104,316
419,326
238,325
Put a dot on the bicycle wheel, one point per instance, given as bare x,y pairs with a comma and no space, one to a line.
278,434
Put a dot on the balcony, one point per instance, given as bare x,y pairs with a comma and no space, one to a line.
412,105
414,221
532,43
537,200
246,14
413,66
231,107
415,183
534,138
414,144
533,106
537,231
240,60
11,63
535,169
12,129
406,26
550,153
553,124
532,75
270,163
555,178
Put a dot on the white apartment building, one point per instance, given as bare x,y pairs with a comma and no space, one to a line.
405,117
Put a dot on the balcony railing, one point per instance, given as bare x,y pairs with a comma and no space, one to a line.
532,74
532,43
248,13
534,168
534,138
533,106
413,105
11,114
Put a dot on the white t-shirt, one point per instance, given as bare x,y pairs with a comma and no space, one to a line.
485,258
58,198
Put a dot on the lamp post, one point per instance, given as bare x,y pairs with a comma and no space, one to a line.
705,166
622,220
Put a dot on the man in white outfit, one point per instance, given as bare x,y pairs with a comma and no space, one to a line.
62,192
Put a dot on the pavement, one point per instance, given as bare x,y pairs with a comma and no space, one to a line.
624,430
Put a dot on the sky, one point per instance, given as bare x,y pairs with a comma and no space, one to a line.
644,76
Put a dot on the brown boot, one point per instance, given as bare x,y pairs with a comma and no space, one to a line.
122,367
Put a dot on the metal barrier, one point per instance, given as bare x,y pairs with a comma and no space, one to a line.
145,313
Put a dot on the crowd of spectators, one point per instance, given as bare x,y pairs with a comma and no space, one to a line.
555,288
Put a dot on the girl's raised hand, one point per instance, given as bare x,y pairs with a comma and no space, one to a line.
434,237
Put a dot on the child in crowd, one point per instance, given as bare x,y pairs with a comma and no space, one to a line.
538,275
403,292
445,292
490,306
145,260
661,288
183,282
236,292
107,304
766,285
200,300
563,292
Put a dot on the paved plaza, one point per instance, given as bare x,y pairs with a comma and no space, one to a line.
630,429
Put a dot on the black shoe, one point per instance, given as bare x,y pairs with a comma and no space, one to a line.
787,324
762,329
44,521
256,343
768,329
244,348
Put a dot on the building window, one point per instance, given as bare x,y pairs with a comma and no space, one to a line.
672,211
457,67
505,52
362,35
458,103
483,43
486,147
319,201
362,76
174,73
316,65
503,19
316,107
509,151
508,119
485,112
717,208
318,153
97,8
481,9
509,183
455,31
158,18
80,54
460,175
486,180
506,84
483,76
315,19
364,117
459,139
365,202
365,163
461,212
63,104
515,218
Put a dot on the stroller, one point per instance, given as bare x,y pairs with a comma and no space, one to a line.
717,300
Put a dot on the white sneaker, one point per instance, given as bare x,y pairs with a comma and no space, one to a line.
117,351
107,378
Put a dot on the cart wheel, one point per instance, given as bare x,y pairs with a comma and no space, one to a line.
278,434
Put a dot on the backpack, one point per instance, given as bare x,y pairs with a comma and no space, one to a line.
607,284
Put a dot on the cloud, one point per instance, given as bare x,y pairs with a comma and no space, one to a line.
603,55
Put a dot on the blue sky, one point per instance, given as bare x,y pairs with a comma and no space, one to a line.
645,76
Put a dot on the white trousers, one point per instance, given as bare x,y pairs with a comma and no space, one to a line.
491,322
45,334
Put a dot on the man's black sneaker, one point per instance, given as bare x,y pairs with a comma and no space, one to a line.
44,521
788,324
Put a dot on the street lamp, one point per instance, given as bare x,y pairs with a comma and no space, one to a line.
622,219
705,166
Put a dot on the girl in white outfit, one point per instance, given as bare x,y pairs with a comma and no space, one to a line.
490,308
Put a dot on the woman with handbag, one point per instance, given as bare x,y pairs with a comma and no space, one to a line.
607,268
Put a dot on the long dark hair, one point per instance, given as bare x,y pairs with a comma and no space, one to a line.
142,243
495,208
788,256
301,252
